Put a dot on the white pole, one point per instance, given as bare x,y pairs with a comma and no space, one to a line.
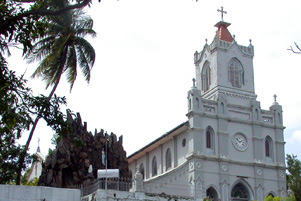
106,165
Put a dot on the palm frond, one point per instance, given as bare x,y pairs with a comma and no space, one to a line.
71,71
87,48
40,49
84,63
63,49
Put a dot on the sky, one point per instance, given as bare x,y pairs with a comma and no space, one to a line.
144,65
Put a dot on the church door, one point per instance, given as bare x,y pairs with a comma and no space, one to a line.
212,194
240,193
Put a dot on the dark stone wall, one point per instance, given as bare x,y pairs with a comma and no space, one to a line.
68,164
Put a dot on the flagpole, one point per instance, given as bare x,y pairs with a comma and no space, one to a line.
106,163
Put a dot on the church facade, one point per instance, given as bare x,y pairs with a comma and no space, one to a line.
229,148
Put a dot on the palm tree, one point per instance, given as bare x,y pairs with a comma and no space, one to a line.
60,51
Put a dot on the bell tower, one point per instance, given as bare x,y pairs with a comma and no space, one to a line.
225,67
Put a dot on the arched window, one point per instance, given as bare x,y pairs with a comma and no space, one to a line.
141,170
239,193
256,114
212,194
168,159
206,76
279,118
223,107
154,166
236,73
197,103
268,147
209,140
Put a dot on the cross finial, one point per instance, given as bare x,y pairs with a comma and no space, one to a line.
222,12
275,100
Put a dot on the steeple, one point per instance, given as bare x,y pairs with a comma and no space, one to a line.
225,67
222,31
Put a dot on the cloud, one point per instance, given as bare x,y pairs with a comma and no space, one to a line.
295,138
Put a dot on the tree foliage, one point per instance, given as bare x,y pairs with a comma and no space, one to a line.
14,119
17,106
63,49
22,21
294,175
279,198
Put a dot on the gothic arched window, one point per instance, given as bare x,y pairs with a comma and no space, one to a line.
206,76
168,159
154,166
209,140
239,192
236,73
268,147
141,170
197,103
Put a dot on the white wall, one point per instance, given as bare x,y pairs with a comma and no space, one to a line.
127,196
37,193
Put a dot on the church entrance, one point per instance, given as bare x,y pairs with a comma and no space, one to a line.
240,193
212,194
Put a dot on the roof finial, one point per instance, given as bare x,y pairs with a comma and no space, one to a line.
38,149
250,41
275,99
193,81
222,12
206,40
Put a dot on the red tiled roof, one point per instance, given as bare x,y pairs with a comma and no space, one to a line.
223,32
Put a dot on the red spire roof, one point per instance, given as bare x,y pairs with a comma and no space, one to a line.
223,32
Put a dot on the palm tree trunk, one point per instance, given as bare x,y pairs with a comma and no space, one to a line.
23,153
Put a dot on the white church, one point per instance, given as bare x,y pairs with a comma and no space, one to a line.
229,148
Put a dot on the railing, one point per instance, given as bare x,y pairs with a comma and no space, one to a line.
119,184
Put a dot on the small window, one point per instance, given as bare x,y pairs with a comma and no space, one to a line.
154,166
197,103
141,170
168,159
268,147
184,142
279,118
256,114
209,140
223,108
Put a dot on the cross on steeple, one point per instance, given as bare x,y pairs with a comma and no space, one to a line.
222,12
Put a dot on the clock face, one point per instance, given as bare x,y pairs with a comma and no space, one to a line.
239,141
